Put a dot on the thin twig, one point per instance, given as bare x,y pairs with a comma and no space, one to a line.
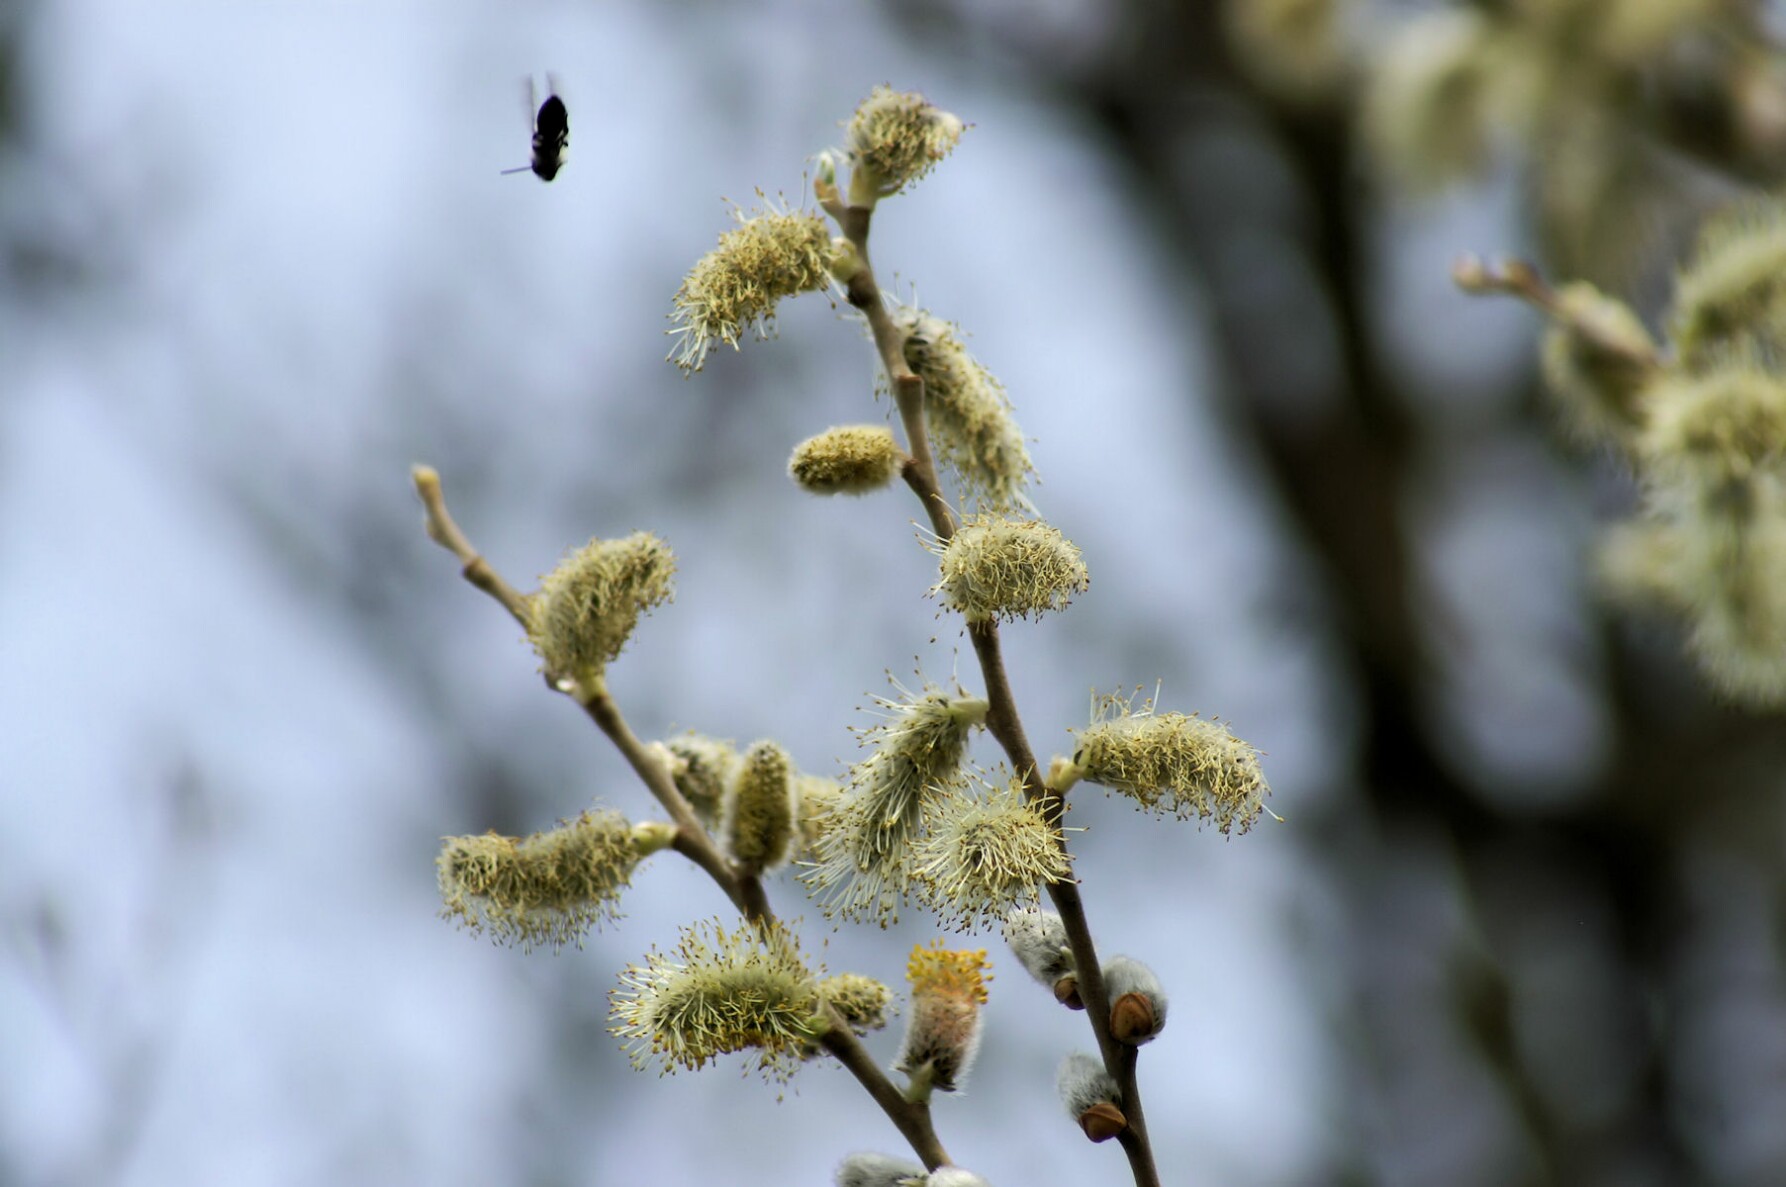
1517,278
444,532
1002,720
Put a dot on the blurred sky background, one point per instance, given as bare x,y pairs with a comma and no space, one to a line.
260,261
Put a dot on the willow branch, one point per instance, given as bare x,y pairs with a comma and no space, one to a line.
911,1118
1002,720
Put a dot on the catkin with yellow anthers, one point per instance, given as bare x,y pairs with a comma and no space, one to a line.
759,812
736,286
1721,427
1598,360
1189,766
587,607
863,865
851,460
942,1033
973,431
862,1001
720,992
983,855
994,567
702,768
1733,292
550,887
1427,107
895,138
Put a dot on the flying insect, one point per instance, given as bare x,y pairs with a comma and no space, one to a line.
551,133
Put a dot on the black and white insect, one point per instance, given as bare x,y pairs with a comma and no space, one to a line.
551,132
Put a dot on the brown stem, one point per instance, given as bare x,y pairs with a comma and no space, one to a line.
1002,720
1517,278
444,532
911,1118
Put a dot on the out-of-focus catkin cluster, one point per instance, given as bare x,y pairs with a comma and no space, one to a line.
587,607
1702,420
1589,95
1193,767
549,887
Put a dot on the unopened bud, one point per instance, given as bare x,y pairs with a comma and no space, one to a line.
1137,1001
1038,940
1090,1095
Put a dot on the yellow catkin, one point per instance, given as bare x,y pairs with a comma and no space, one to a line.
549,887
994,567
895,138
985,854
588,606
943,1031
759,816
736,286
1168,762
717,993
851,460
973,430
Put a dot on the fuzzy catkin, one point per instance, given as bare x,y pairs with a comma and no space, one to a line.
995,567
736,286
759,814
1189,766
587,607
549,887
850,460
895,138
717,993
942,1033
1038,939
